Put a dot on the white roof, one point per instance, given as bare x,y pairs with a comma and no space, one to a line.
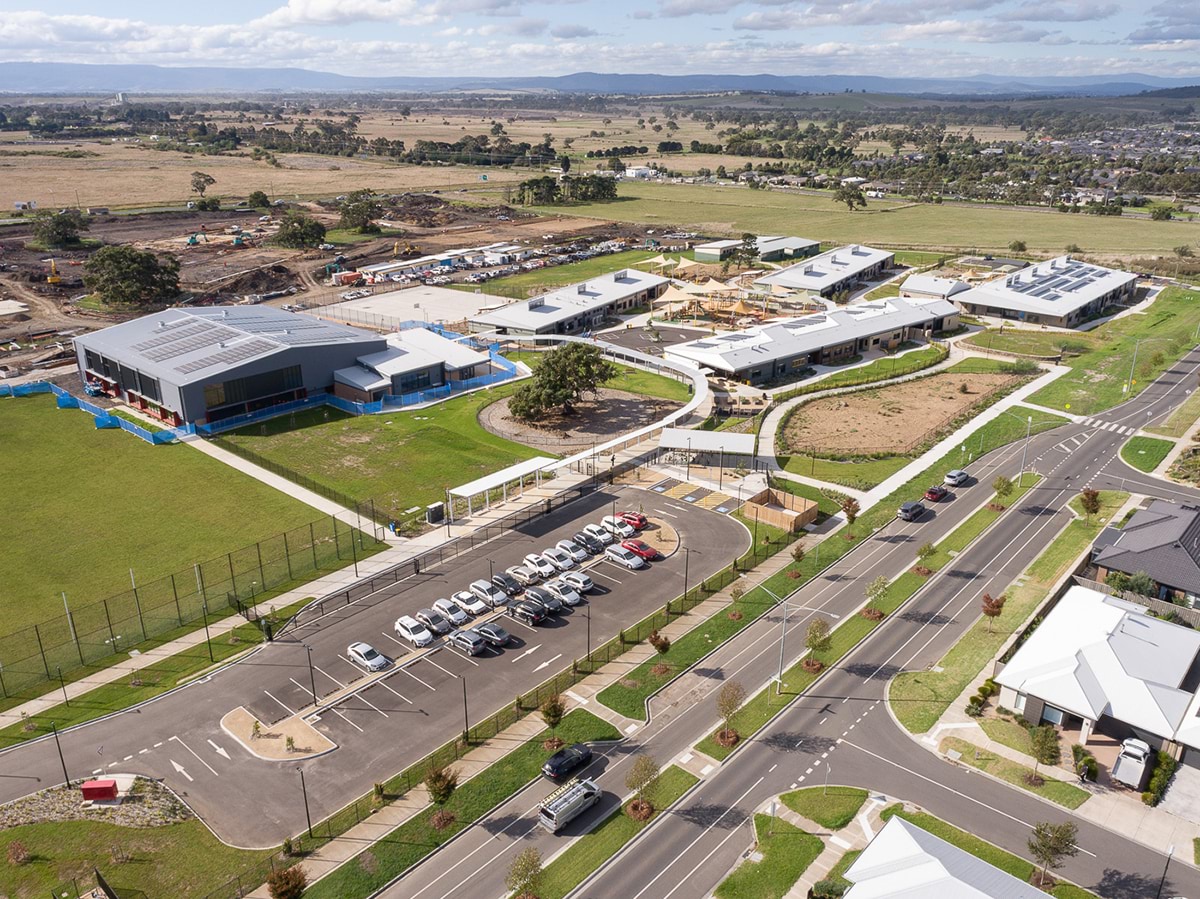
502,477
454,353
933,286
1057,287
904,861
407,351
819,272
1094,655
767,244
546,311
764,344
707,441
717,245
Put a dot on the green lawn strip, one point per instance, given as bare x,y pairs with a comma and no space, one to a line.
1196,850
787,851
1065,794
343,236
858,474
182,859
919,698
634,380
133,419
833,807
879,370
1145,453
522,285
416,838
1028,342
593,849
1008,733
154,680
993,855
883,291
1099,376
1181,420
837,874
826,504
68,469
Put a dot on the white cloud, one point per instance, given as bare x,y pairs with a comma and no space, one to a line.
1063,11
770,20
674,9
568,31
977,31
345,12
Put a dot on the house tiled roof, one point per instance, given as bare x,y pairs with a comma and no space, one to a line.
1162,540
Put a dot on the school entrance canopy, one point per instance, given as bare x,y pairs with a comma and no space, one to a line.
499,480
706,442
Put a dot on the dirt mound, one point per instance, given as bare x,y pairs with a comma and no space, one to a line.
263,280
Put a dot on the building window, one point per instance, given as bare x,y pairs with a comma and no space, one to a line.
1019,703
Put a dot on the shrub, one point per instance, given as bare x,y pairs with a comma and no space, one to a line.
287,883
974,708
828,889
288,848
1164,770
442,819
18,854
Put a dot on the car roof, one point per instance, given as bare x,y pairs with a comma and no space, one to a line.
360,646
409,621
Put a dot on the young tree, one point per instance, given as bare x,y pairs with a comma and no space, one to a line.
359,211
1183,251
798,552
1051,843
640,780
202,182
258,199
1044,741
553,710
925,551
729,702
287,883
441,781
1089,499
298,230
850,195
876,590
992,606
525,874
1017,246
124,275
818,638
850,509
1142,583
59,229
1003,487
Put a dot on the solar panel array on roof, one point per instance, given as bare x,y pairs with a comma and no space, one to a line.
236,353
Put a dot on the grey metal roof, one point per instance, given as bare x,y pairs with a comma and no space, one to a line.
1162,540
1057,287
819,272
181,346
568,302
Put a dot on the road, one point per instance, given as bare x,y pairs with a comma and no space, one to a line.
843,726
391,720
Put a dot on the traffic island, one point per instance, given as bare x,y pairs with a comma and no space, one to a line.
291,739
662,537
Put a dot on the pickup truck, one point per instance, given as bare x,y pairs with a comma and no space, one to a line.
1133,763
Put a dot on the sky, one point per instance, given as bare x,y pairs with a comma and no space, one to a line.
933,38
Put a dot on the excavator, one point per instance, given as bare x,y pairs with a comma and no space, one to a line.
53,277
194,239
408,249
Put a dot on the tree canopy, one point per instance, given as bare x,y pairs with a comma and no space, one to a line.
850,195
59,229
202,182
125,275
564,376
258,199
359,211
298,230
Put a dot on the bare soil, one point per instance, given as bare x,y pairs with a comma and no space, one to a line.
610,413
889,419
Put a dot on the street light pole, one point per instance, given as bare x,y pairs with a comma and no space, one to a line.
588,618
687,557
782,640
466,719
207,635
1133,365
63,761
1170,852
1025,450
687,473
312,678
304,791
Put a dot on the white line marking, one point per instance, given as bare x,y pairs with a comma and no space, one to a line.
221,752
417,679
179,770
527,652
372,705
143,751
193,752
330,676
156,745
548,662
436,665
390,690
347,720
127,758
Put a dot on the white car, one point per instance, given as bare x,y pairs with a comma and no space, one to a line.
619,526
956,478
564,591
452,611
542,566
622,556
469,602
604,535
560,559
489,593
367,656
573,549
578,580
408,628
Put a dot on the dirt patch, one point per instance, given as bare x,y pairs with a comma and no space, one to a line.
610,413
888,420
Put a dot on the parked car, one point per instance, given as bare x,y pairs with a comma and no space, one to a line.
542,566
547,600
602,534
524,576
936,493
506,582
566,760
489,593
467,641
956,478
565,592
559,558
910,511
622,556
634,519
493,633
451,611
469,602
435,622
411,630
618,526
367,656
1132,764
641,548
592,544
579,581
527,612
574,550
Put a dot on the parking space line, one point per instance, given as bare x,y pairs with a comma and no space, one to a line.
330,676
466,658
390,690
290,711
347,720
394,640
417,679
356,668
522,624
307,691
372,705
436,665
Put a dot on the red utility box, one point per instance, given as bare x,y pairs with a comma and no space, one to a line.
99,790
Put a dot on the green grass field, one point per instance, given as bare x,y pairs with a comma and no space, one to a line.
94,503
1061,792
1035,343
1145,453
730,210
634,380
787,851
518,286
832,807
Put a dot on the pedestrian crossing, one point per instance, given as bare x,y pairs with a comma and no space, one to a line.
1108,426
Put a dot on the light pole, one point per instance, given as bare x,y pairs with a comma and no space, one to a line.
63,761
687,557
782,637
588,619
304,791
207,635
687,473
1133,365
312,678
1025,450
1161,882
466,719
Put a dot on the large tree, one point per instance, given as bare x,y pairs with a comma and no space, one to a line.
564,376
124,275
202,182
746,252
850,195
59,229
359,211
298,230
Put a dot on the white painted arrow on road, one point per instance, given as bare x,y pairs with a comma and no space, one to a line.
527,652
179,770
221,752
547,662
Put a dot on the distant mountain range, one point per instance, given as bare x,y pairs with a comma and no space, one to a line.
54,77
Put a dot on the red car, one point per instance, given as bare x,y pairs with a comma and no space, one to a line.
641,548
634,519
936,493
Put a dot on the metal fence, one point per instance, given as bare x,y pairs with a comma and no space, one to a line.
89,634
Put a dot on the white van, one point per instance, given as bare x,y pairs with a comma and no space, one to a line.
567,803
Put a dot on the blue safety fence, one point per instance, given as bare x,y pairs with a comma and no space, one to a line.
24,389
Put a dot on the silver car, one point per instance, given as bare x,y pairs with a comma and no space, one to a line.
470,603
367,656
559,558
451,611
580,581
574,550
565,592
